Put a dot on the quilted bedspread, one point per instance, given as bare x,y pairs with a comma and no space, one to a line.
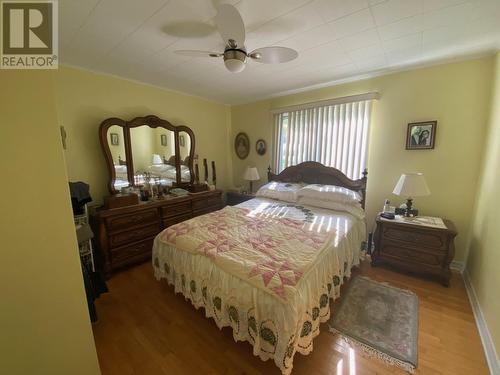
272,254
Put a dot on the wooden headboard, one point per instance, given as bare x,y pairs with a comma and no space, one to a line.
312,172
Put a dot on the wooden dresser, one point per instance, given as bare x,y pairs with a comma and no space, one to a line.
125,235
414,248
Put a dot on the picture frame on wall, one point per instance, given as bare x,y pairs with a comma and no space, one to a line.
421,135
163,140
242,145
114,139
261,147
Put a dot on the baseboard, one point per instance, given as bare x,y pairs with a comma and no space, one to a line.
484,333
457,266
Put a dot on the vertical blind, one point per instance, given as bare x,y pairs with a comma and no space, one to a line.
335,135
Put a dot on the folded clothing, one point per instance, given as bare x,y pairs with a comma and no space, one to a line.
80,196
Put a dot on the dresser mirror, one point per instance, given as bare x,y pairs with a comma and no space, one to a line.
116,141
185,156
147,149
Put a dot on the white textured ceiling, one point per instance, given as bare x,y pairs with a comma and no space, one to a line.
336,40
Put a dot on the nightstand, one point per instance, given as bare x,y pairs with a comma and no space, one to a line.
235,197
415,248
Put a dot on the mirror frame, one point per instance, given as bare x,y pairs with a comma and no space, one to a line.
153,122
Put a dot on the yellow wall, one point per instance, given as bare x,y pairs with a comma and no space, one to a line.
168,150
45,326
142,140
484,248
85,99
456,95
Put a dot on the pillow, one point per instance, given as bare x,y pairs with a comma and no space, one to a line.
282,191
330,193
160,168
353,209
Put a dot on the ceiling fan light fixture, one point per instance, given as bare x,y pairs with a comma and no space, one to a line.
235,60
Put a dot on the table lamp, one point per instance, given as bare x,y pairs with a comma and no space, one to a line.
411,185
157,159
251,174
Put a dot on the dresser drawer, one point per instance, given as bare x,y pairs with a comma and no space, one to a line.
392,250
135,234
183,208
144,248
427,239
209,199
215,201
176,219
126,221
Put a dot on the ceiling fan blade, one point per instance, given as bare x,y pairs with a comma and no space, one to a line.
273,55
195,53
230,25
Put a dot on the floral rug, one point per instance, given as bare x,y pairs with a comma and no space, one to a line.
381,320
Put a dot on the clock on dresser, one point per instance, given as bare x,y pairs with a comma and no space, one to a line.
415,248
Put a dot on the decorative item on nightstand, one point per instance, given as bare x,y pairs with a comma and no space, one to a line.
251,174
411,185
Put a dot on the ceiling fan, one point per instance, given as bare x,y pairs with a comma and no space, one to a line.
232,30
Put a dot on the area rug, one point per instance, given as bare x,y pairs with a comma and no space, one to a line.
379,319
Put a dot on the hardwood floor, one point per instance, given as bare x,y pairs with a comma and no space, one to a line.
144,328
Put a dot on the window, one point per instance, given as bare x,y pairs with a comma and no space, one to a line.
334,133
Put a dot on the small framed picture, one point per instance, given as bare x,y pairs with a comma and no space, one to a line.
114,138
242,145
421,135
163,140
261,147
182,141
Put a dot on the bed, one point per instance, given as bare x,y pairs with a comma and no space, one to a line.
167,173
267,268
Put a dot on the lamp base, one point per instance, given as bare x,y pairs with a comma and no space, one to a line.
251,187
409,203
402,211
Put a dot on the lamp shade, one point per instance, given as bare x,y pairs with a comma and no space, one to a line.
411,185
251,174
157,159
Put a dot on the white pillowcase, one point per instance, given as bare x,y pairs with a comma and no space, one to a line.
354,209
283,191
160,168
330,193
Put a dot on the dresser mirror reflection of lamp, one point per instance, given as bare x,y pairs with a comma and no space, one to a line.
251,175
409,186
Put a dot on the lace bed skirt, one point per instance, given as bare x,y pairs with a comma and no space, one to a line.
275,329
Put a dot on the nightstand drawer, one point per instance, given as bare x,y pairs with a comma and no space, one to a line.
416,248
393,250
427,239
